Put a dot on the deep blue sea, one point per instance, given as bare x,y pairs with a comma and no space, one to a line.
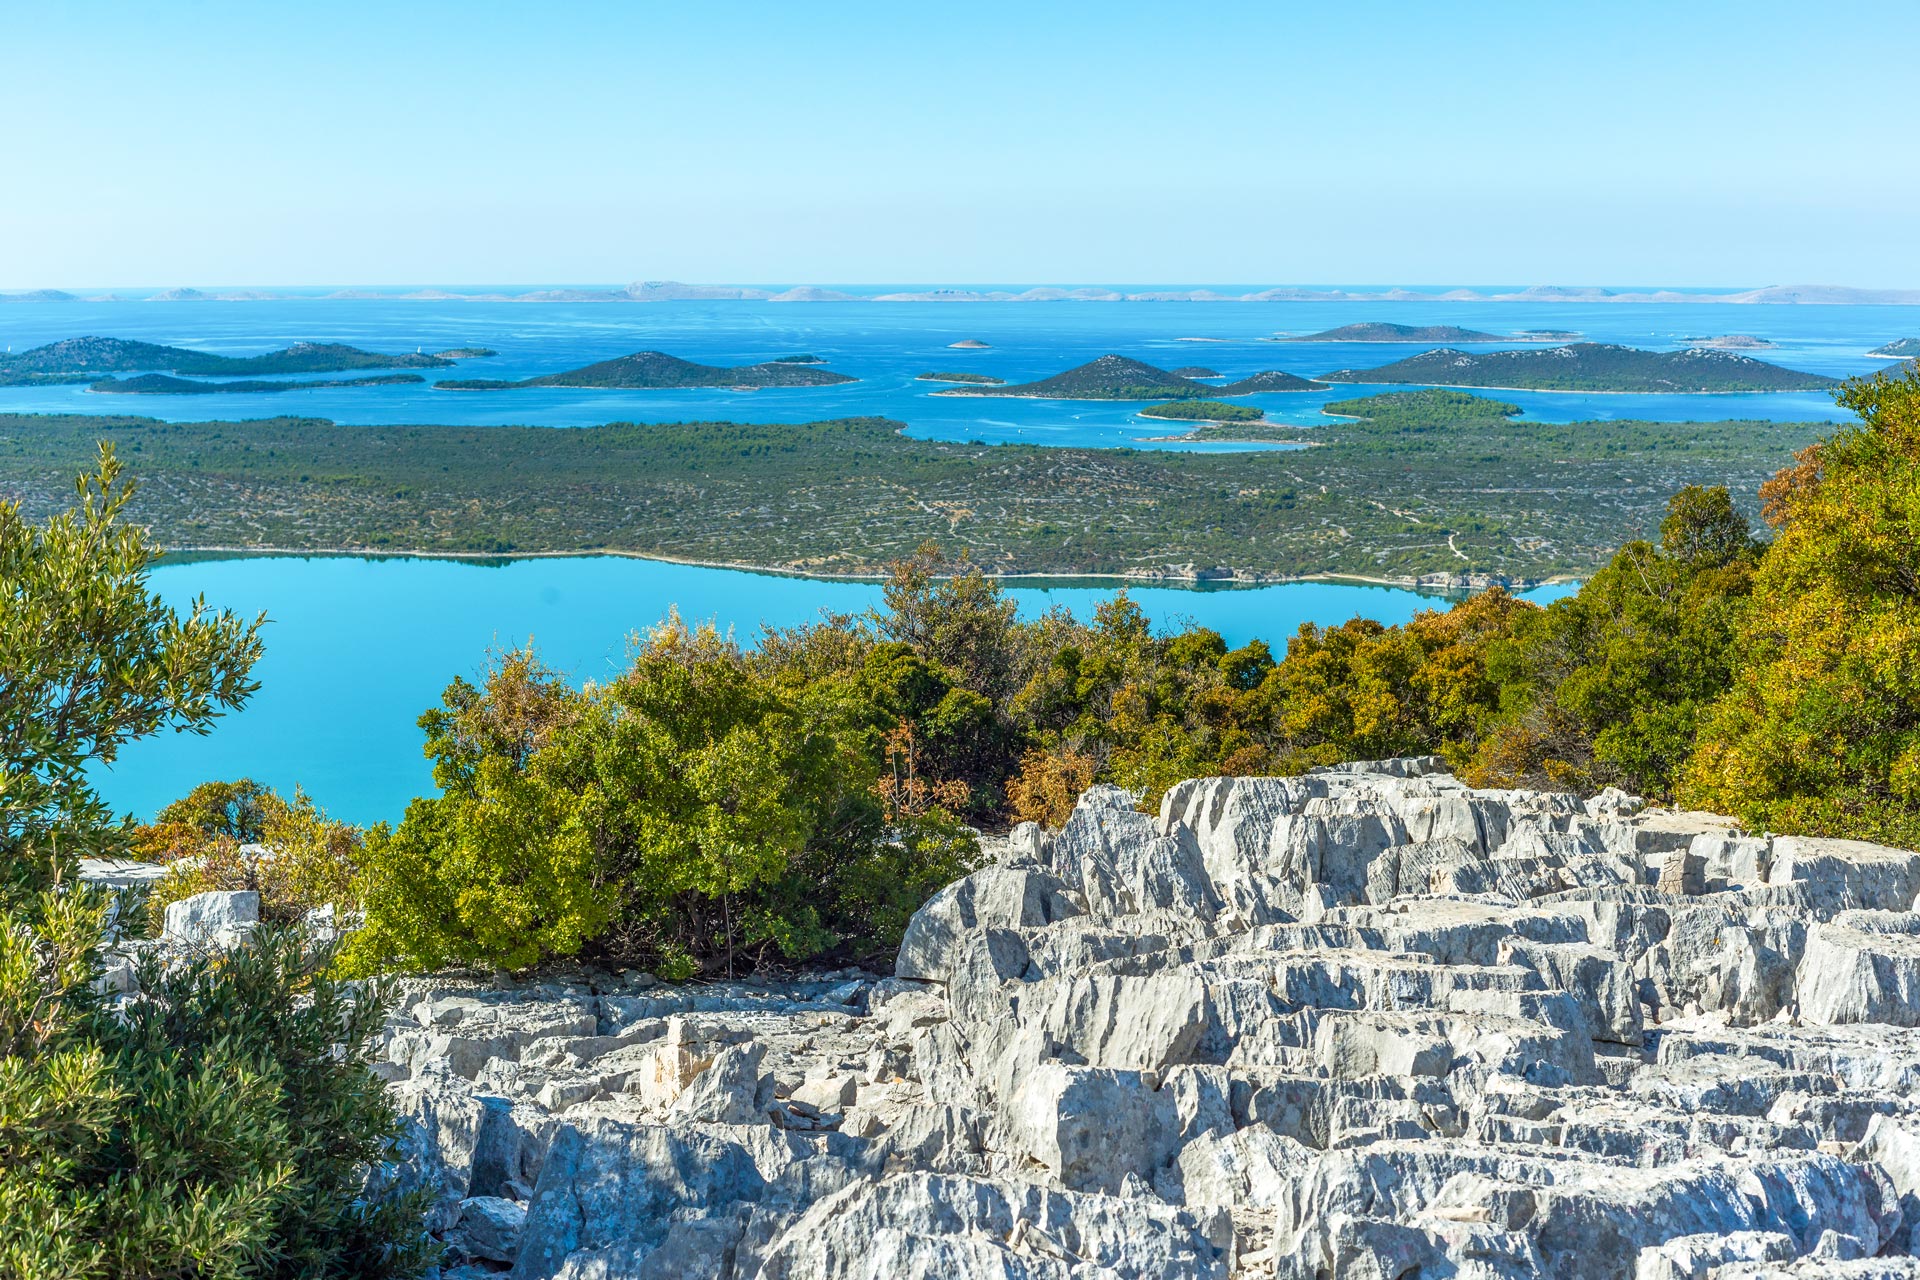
357,648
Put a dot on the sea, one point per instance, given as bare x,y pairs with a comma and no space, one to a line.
357,648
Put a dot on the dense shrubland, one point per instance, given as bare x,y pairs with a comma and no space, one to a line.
723,804
224,1124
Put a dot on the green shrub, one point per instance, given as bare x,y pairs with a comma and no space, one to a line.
1820,732
241,835
1609,685
696,811
223,1125
92,660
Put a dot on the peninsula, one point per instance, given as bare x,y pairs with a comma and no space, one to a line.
160,384
657,371
86,359
1114,377
1592,366
972,379
1900,349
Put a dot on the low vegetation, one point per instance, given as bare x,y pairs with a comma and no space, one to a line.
1113,377
655,370
225,1123
160,384
1592,366
1203,411
1431,483
85,359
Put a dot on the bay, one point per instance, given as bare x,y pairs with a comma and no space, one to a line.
357,648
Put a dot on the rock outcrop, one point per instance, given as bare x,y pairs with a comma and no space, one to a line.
1368,1022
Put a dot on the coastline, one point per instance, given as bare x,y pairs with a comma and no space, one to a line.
988,395
1188,581
1567,391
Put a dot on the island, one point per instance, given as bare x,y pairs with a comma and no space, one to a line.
1433,407
1115,377
1731,342
466,353
1393,495
974,379
1203,411
1593,367
1900,349
1377,331
160,384
968,344
801,359
657,371
1197,371
86,359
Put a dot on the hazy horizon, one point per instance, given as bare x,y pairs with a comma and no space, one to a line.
983,285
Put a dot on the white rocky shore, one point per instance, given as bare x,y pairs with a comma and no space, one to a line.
1364,1023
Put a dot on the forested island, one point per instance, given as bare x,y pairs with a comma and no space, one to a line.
656,371
971,379
1380,331
85,359
1116,377
1406,491
160,384
1197,371
1203,411
1592,366
1902,348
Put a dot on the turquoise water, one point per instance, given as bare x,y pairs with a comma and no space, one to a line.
357,648
885,344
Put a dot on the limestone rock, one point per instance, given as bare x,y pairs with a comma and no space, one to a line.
1366,1022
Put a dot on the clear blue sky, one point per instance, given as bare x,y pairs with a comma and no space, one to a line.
1702,143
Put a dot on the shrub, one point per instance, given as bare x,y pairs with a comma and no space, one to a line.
699,810
223,1125
92,660
1609,686
1820,732
241,835
1048,784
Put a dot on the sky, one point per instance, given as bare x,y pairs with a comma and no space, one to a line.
228,144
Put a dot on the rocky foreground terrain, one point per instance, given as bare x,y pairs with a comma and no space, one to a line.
1363,1023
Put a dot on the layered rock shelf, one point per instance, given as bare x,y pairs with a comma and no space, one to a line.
1364,1023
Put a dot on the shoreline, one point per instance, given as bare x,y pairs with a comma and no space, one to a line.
989,395
1563,391
1193,580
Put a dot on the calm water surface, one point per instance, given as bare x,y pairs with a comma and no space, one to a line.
356,649
885,345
